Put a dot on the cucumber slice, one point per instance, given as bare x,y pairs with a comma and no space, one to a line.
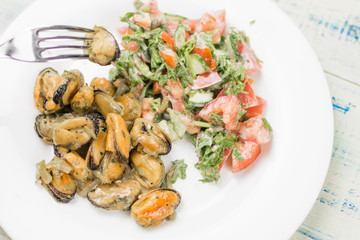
196,64
200,99
173,17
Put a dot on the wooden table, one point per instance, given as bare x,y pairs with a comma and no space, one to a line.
333,29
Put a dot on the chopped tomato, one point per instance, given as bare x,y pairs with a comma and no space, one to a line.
191,23
220,19
175,94
168,39
205,80
248,99
251,64
146,109
156,88
254,130
249,152
187,120
187,36
205,53
169,57
208,23
123,31
227,157
154,7
171,27
142,19
227,106
256,110
137,91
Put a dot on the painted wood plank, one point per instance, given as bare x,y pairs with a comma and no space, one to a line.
333,29
336,213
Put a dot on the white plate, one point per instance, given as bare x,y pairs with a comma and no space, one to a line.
267,201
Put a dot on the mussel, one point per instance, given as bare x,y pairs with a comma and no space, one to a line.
149,138
52,92
132,106
59,184
80,171
105,104
68,130
96,150
148,171
103,47
83,99
44,88
109,169
118,137
104,85
154,206
115,196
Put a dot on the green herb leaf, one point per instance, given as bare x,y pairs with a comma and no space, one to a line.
267,125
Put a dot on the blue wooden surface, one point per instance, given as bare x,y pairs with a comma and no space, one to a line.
333,29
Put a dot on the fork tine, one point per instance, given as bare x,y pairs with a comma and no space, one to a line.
64,37
64,46
65,56
63,27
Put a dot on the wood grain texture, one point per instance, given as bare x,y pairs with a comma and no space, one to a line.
333,30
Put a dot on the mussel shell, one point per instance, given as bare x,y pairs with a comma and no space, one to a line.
147,215
148,170
115,196
62,187
149,138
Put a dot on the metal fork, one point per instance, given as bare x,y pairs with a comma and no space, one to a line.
26,45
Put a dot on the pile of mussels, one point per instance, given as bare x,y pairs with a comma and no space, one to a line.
93,129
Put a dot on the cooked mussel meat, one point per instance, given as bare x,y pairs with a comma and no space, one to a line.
103,47
44,89
154,206
149,138
61,186
96,150
83,99
52,92
109,169
115,196
104,85
118,137
68,130
148,170
80,171
132,106
105,104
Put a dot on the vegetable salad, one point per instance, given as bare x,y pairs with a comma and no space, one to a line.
193,77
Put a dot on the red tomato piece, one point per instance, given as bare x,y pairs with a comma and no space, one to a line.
146,109
251,64
254,130
248,99
123,31
220,19
175,95
205,53
191,23
142,19
171,27
154,7
156,88
208,23
256,110
249,152
227,157
205,80
188,121
168,39
227,106
169,57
